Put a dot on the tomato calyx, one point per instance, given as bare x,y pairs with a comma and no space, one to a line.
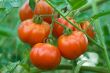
67,31
37,19
50,39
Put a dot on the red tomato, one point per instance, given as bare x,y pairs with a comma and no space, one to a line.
89,29
25,12
45,56
73,45
58,29
33,33
43,8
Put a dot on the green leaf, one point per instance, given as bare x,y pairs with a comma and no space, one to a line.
100,14
32,4
75,4
6,31
10,67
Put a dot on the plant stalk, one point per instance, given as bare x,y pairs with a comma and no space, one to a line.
84,68
100,37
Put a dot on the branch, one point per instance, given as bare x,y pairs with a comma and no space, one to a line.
84,68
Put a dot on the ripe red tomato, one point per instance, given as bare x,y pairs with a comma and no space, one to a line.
25,12
33,33
89,29
45,56
73,45
58,29
43,8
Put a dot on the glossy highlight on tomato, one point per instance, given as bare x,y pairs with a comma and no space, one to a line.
73,45
33,33
88,28
58,29
45,56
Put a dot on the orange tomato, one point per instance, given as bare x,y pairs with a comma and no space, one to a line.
88,28
73,45
25,12
45,56
33,33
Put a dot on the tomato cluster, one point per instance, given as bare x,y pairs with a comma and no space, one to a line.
35,31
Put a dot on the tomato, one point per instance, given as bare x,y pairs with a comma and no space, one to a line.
58,29
45,56
43,8
33,33
73,45
88,28
25,12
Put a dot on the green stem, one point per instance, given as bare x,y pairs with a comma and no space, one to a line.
100,35
84,68
50,37
69,13
61,24
52,25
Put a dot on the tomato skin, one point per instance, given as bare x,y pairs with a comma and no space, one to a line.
89,29
43,8
25,12
58,29
73,45
33,33
45,56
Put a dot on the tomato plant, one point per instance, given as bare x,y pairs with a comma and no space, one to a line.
45,56
73,45
58,29
33,33
53,36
